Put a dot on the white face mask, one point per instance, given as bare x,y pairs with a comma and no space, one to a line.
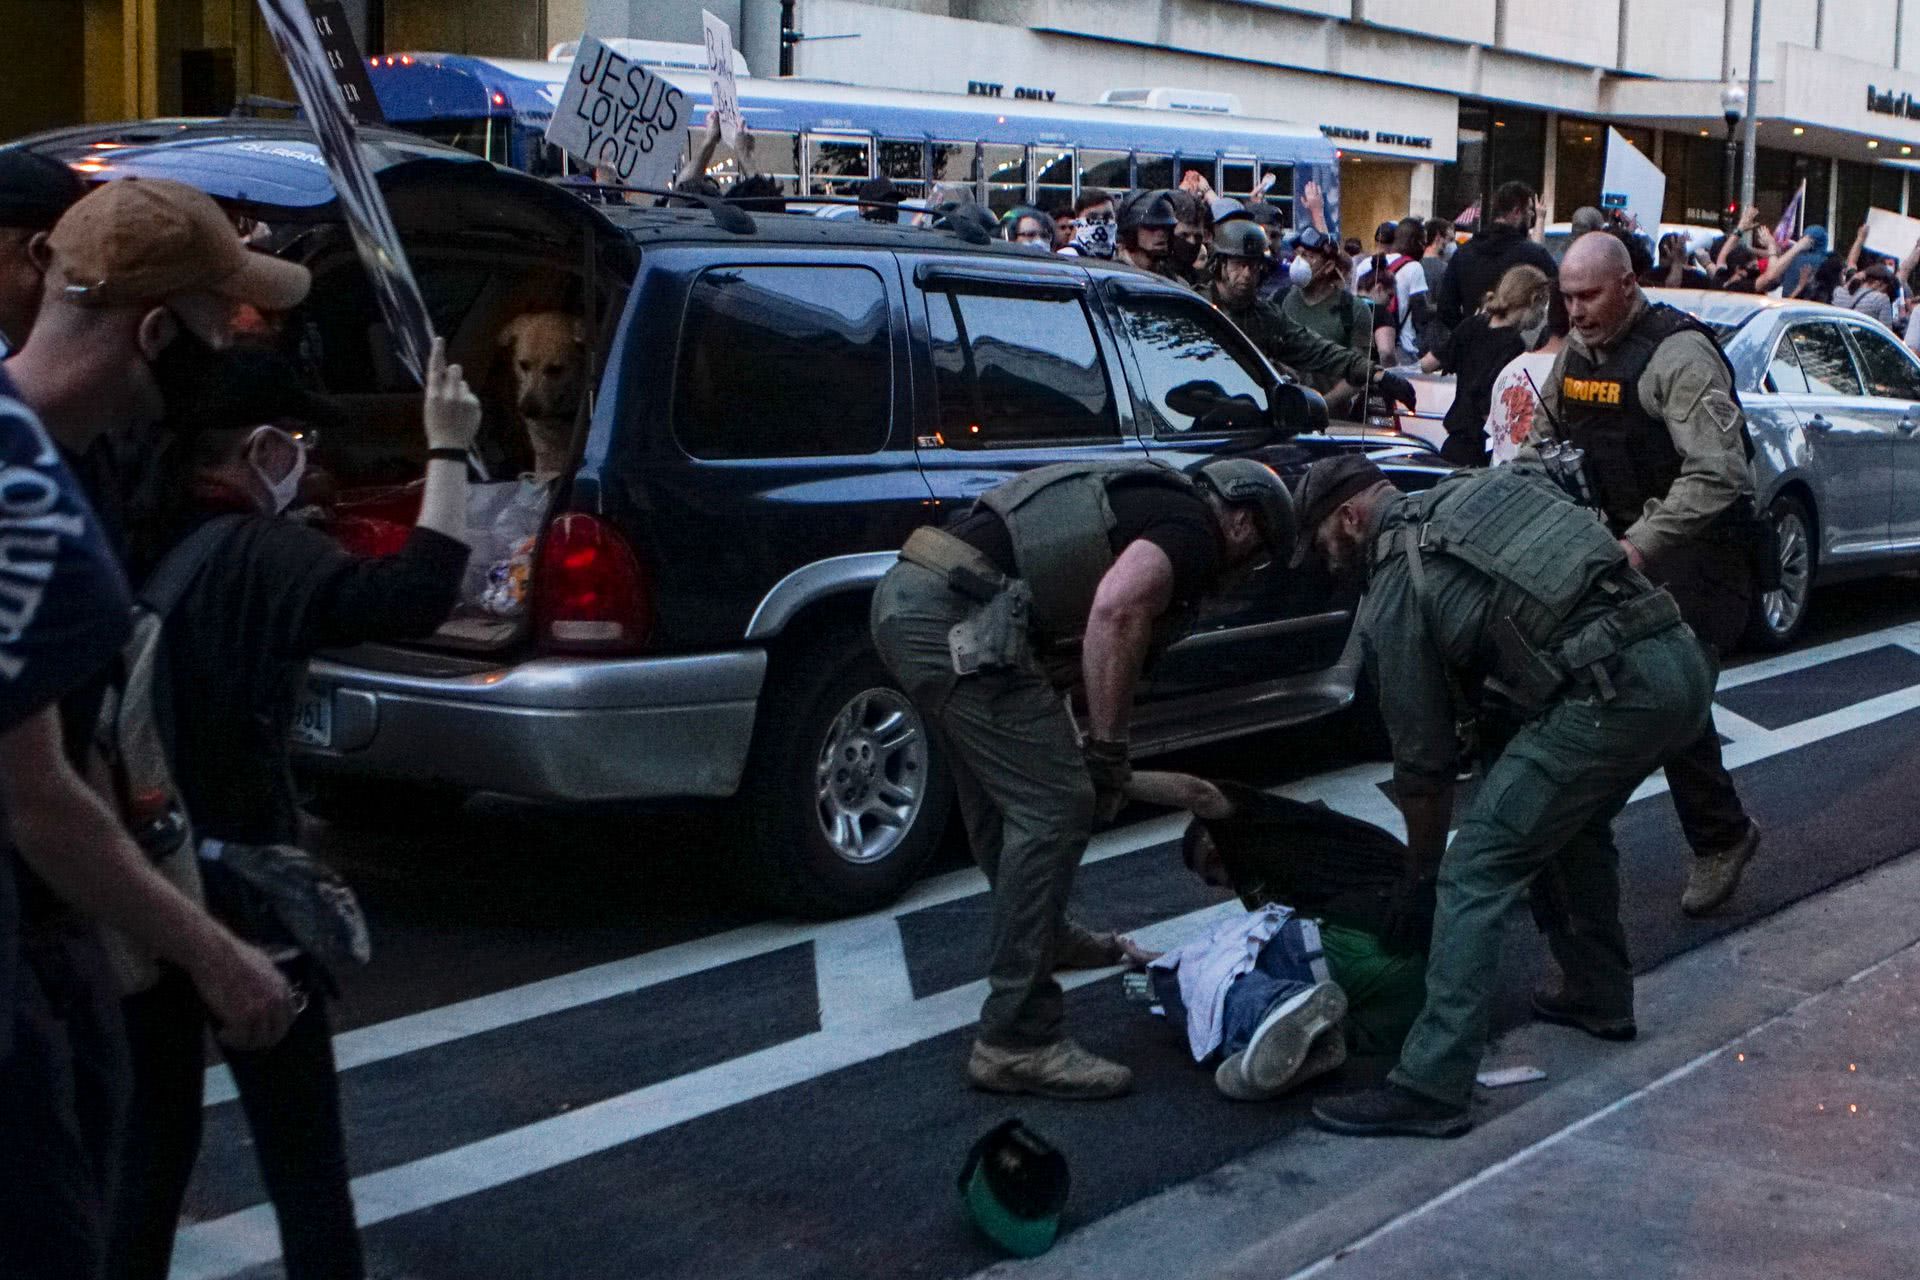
1299,272
282,491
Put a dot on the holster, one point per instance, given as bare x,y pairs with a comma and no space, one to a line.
1530,678
997,634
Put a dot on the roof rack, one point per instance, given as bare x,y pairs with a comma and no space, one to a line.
729,216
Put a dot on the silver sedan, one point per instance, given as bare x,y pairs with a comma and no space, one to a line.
1833,407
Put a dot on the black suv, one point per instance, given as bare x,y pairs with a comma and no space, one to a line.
777,402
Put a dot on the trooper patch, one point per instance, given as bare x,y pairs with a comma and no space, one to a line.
1720,409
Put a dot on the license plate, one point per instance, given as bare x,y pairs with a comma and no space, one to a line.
313,719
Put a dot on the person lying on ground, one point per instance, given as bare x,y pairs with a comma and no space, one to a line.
1353,882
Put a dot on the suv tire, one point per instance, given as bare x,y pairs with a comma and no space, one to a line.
847,793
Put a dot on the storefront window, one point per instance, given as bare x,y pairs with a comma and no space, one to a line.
1519,149
1498,144
1777,175
1695,169
1458,187
1862,187
1580,161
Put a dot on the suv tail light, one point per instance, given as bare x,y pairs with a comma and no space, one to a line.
591,594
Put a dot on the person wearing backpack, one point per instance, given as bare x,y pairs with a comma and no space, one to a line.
267,594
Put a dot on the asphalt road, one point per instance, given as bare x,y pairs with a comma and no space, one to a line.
578,1054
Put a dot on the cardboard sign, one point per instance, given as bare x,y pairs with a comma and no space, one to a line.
349,71
291,25
629,124
1891,233
726,91
1633,184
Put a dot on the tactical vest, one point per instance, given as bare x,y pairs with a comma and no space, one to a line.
1060,521
1545,553
1631,459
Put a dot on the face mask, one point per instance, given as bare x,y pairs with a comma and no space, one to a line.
282,491
1094,236
1300,273
1183,252
183,368
1532,325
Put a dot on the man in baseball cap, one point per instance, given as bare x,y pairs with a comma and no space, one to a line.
34,192
142,278
1328,490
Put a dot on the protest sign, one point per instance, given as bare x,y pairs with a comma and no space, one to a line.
1633,184
343,55
726,92
1891,233
291,25
620,118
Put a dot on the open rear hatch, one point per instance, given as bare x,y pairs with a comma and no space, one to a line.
488,247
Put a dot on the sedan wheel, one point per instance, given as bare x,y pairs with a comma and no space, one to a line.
1780,614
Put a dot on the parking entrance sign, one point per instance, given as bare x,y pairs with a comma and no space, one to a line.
620,118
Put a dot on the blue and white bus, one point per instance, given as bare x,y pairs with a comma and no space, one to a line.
824,139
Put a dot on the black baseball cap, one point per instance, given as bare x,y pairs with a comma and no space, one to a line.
1327,484
1384,233
35,190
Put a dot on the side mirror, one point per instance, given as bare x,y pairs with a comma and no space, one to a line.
1293,409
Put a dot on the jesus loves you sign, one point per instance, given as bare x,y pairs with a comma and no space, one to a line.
621,118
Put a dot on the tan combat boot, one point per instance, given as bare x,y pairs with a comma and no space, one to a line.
1715,876
1058,1070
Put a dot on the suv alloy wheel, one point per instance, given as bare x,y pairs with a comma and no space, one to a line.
847,792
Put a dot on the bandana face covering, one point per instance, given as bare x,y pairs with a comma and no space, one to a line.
1094,236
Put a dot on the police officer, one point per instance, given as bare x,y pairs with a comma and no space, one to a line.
1241,261
1066,574
1648,396
1496,586
1145,223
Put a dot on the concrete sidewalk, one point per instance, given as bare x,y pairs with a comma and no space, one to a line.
1766,1124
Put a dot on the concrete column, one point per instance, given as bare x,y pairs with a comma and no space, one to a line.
1420,191
1833,198
566,19
1550,171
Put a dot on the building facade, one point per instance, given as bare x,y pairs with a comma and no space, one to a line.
1433,102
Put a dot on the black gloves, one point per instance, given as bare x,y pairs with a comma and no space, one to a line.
1396,389
1110,770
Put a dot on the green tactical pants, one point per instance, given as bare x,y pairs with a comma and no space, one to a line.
1546,813
1023,788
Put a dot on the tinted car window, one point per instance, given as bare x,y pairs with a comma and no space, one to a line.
1182,347
1017,371
1888,368
1825,360
784,362
1783,371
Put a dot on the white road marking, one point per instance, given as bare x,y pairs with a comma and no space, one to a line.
863,1013
223,1246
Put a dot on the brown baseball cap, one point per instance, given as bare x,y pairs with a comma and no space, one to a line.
1327,484
144,240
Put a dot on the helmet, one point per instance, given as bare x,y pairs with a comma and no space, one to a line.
1240,239
1147,209
1244,482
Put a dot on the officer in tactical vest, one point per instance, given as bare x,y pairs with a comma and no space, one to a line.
1240,264
1496,590
1069,574
1645,392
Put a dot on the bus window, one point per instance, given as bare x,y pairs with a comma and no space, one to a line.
777,155
1280,191
477,135
1005,167
1155,172
1236,178
953,165
1202,165
837,166
905,162
1053,178
1104,171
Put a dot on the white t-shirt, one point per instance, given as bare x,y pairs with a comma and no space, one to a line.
1409,281
1510,417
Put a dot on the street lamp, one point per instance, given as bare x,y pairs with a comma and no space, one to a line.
1733,105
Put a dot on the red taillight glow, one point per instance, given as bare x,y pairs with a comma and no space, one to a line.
499,99
591,594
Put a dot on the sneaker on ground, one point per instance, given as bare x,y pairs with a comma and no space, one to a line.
1329,1053
1058,1070
1559,1008
1716,875
1391,1109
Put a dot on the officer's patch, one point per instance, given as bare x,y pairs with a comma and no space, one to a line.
1720,409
